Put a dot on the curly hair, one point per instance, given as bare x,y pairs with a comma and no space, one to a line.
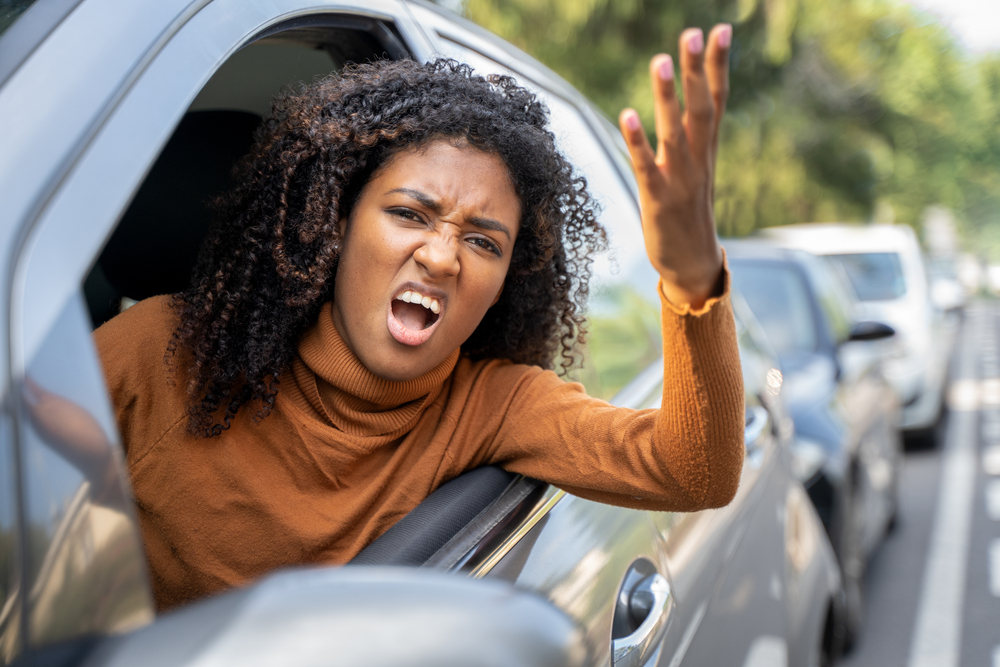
270,261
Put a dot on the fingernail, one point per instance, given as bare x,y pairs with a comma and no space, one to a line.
632,120
725,36
696,42
666,69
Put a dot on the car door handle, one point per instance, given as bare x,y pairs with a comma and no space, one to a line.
651,597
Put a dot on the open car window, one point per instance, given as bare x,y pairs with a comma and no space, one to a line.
155,245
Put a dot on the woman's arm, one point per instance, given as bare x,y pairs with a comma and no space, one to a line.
687,455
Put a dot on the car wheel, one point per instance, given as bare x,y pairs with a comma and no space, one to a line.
853,570
834,632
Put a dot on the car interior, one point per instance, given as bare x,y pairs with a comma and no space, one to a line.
156,243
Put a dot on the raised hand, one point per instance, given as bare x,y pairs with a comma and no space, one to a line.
677,183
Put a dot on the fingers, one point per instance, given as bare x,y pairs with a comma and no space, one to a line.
699,112
642,156
690,139
717,73
671,142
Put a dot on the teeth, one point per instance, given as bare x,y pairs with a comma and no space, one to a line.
427,302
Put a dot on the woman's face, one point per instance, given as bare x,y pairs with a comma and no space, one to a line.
426,250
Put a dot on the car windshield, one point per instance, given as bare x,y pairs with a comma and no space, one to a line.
10,10
875,276
776,293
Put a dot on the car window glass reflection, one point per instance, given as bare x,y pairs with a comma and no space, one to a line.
85,567
10,11
876,276
777,296
10,595
833,296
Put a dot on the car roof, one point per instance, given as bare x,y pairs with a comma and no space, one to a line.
838,238
760,249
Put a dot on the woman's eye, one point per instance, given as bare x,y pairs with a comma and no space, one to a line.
486,244
405,213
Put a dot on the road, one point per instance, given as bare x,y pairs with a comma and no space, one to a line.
933,587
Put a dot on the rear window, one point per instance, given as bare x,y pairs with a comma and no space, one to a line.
779,299
875,276
10,10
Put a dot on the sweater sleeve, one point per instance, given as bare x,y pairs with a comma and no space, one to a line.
685,456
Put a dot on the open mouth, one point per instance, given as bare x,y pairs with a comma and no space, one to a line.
413,317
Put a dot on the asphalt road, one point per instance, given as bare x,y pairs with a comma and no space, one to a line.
933,587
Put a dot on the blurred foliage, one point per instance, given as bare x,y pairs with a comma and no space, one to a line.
857,110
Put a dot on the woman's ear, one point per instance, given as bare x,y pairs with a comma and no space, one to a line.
499,292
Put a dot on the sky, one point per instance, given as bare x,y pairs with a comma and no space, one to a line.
975,22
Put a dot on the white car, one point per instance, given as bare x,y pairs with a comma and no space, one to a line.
886,269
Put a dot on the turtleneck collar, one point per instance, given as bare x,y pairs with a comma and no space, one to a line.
353,398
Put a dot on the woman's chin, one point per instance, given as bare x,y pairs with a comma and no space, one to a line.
400,370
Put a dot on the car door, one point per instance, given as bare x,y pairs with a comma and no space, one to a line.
731,561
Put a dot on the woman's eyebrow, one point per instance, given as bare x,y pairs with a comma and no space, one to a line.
426,201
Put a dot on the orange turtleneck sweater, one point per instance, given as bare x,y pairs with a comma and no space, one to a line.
345,454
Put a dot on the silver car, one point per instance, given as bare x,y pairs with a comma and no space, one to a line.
121,119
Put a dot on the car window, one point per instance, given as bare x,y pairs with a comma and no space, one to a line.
10,11
833,296
10,597
875,276
624,310
85,566
778,296
250,78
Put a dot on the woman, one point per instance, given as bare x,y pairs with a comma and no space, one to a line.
405,254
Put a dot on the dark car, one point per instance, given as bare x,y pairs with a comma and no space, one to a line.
847,447
130,116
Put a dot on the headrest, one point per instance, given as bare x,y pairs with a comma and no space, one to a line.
154,247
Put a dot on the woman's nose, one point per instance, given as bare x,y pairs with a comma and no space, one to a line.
439,255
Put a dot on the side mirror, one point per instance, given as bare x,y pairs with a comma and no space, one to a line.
871,331
373,616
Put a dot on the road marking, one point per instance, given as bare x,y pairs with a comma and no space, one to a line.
993,499
996,656
688,636
938,628
963,395
995,568
991,460
972,394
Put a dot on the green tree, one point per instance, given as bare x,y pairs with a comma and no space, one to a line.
852,111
